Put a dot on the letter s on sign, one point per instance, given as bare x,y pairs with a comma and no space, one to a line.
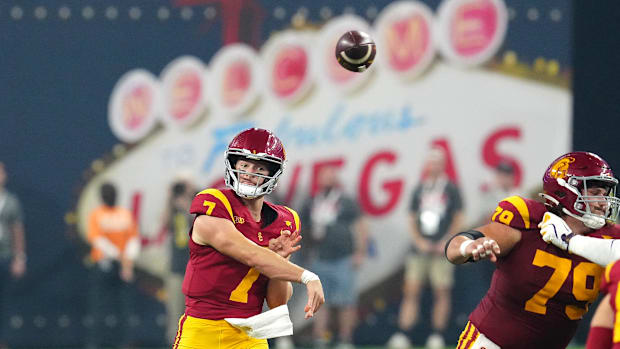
490,150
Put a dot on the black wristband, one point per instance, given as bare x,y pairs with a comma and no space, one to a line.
471,234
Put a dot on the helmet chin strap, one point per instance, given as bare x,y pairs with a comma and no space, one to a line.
589,220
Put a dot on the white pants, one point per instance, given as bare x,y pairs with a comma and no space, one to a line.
482,342
471,338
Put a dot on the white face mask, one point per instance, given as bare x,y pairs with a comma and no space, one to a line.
582,203
249,191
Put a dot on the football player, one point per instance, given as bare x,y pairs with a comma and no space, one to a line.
232,269
539,292
603,332
605,326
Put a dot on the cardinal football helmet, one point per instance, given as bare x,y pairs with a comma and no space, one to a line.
255,144
566,182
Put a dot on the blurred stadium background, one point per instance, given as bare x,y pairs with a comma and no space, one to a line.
138,92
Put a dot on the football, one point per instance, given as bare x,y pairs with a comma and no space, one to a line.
355,51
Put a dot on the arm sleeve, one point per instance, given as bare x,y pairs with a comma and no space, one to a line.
107,247
599,251
132,249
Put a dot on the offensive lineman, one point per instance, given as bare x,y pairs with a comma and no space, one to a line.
539,292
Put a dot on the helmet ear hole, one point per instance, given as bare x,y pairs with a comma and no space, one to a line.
560,194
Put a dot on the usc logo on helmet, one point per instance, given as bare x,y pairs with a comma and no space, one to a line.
559,169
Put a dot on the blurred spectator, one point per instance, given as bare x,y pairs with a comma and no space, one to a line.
178,221
113,234
286,342
500,187
12,243
337,234
435,215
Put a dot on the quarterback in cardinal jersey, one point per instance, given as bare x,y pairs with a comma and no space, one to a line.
218,286
539,292
239,245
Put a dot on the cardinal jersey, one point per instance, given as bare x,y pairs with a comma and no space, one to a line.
609,284
538,292
217,286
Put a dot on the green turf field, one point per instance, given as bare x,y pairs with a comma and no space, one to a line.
374,347
366,347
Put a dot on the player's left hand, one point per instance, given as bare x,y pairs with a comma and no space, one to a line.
286,244
482,248
554,230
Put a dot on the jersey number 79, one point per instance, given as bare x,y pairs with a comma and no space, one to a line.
561,270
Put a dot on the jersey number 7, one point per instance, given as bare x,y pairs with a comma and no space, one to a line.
561,269
240,293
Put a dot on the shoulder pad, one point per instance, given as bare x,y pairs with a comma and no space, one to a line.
295,219
212,202
518,212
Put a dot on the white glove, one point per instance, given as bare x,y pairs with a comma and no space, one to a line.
555,231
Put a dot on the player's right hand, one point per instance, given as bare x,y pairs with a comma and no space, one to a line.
286,244
554,230
482,248
316,298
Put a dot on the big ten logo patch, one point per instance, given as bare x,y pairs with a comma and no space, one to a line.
239,220
559,169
